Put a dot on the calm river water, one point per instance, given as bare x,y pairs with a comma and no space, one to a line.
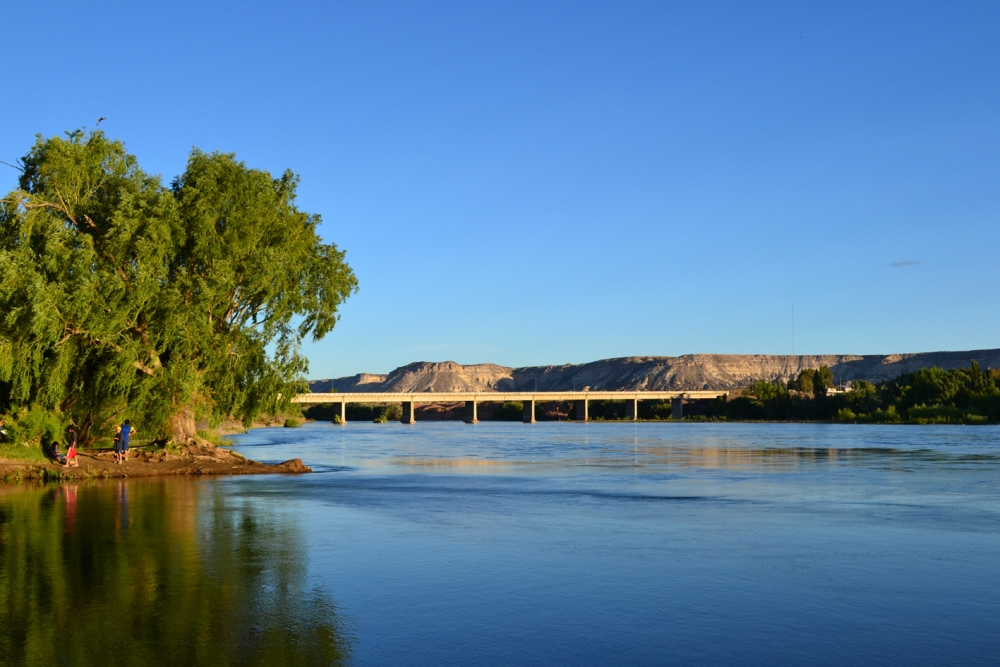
513,544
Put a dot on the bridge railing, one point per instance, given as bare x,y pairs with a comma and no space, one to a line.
581,399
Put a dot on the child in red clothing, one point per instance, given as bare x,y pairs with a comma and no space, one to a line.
71,456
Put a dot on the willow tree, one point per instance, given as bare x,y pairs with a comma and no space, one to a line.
123,297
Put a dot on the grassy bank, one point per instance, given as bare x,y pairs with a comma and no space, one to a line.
24,453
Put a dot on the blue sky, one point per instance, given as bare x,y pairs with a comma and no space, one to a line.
546,183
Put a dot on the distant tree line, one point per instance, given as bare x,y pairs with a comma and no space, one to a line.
927,396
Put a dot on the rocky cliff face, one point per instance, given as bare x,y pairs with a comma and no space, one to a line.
692,371
359,382
424,376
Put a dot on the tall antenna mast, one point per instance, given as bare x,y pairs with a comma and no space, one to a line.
793,329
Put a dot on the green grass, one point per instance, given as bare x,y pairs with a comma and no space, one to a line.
29,453
216,439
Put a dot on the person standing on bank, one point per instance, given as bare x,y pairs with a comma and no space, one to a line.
118,444
71,439
71,454
127,433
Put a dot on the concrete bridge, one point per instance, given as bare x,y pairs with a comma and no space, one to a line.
581,400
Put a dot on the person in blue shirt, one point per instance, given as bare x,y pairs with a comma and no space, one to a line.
127,433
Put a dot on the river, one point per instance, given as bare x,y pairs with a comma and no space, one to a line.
510,544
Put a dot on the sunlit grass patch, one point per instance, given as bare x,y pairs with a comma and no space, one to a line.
214,438
28,452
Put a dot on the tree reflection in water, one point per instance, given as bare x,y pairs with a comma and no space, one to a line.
156,573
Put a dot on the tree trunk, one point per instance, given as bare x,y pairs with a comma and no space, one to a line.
85,430
181,428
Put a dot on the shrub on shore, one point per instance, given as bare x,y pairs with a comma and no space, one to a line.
30,434
36,426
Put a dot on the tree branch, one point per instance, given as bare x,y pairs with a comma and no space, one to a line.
143,367
62,207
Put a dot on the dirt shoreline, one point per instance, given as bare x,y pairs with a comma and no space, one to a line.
193,459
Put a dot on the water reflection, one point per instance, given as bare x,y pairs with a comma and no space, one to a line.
158,573
737,458
726,458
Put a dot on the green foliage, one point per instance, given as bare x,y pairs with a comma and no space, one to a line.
213,437
36,427
986,405
763,390
324,412
606,410
804,382
822,381
511,411
921,414
25,451
928,396
845,415
123,298
761,400
292,423
888,416
655,410
364,412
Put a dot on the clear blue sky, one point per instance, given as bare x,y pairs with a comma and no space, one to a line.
561,182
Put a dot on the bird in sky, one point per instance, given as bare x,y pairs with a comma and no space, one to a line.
99,120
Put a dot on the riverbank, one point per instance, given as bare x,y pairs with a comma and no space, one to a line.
192,459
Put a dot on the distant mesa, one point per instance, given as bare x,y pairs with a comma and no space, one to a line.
691,371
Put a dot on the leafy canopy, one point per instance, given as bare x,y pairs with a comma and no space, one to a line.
120,296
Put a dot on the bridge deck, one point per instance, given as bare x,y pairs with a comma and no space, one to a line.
502,396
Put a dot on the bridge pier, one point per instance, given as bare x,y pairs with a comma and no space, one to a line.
632,409
677,407
528,414
343,412
470,413
581,410
409,412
